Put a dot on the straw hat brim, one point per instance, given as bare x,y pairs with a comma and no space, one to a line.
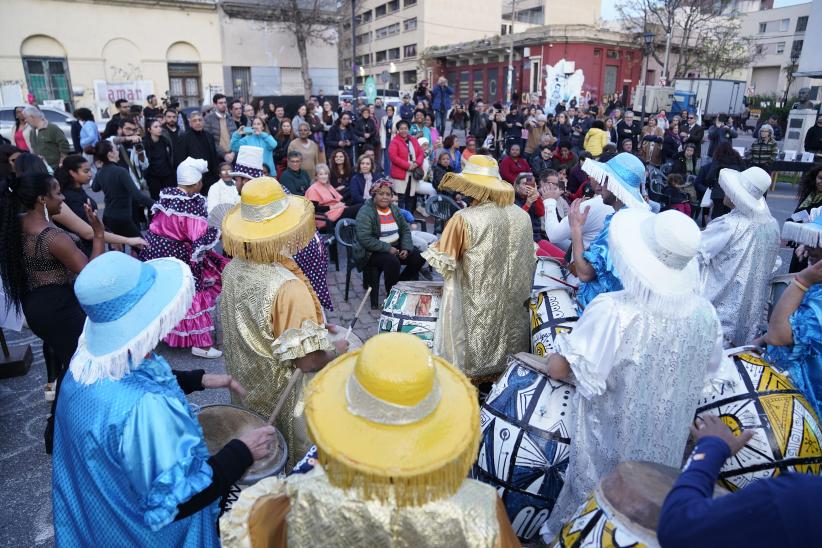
640,271
447,438
731,182
282,235
480,187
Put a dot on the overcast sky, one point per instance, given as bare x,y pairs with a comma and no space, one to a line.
609,11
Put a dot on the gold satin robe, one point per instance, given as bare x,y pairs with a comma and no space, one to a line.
486,257
270,318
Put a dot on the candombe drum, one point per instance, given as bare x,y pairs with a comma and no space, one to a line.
787,432
623,510
552,312
525,443
412,307
549,274
221,424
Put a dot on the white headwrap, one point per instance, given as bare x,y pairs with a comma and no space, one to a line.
190,171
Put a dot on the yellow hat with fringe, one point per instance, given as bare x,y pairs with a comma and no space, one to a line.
481,181
267,224
394,422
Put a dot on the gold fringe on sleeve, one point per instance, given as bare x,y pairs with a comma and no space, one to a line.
440,261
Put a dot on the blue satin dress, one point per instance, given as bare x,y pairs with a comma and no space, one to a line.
599,256
126,453
803,360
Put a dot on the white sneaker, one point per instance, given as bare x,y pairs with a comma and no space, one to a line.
50,391
211,353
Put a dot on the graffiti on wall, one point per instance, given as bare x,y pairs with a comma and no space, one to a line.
562,83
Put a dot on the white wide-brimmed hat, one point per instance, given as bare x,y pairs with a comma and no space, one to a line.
746,189
249,163
654,254
808,234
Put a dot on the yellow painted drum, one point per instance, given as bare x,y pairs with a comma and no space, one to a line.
787,432
553,311
623,511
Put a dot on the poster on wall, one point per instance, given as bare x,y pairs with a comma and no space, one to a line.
106,93
562,83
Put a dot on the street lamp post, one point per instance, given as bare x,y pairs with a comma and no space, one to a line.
648,40
791,71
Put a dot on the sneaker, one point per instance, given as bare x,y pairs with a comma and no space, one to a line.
211,353
50,391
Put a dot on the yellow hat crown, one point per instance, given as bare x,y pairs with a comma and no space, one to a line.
396,368
481,164
262,191
480,179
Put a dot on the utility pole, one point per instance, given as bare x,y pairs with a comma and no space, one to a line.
667,56
354,93
510,92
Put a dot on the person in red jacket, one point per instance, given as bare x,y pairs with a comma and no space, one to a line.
405,154
513,164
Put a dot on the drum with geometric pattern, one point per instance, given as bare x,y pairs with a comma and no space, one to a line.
552,312
787,432
525,444
412,307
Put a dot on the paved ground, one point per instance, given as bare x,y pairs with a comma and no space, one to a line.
25,470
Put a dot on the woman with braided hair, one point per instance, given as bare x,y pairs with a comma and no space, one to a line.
38,264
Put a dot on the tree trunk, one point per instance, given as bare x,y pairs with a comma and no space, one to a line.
302,49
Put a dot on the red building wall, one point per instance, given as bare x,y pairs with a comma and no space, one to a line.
598,61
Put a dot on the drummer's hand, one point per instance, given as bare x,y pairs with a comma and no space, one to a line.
811,275
576,216
801,252
259,441
711,425
341,346
404,254
211,380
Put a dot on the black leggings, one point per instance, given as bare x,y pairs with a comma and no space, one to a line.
158,182
389,265
54,315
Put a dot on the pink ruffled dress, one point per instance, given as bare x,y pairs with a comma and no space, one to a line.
179,228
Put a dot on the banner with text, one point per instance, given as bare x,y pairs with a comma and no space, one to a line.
106,93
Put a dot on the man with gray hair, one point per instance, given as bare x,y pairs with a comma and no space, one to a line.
198,144
47,141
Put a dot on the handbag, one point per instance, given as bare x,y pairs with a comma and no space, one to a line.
425,188
706,199
417,174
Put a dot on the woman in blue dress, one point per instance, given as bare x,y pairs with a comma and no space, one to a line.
130,465
794,334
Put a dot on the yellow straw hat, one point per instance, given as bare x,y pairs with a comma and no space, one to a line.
267,224
394,421
480,180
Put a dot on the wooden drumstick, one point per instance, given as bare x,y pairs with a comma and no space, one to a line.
296,375
357,315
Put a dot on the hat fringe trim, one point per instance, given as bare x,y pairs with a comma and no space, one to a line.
801,233
411,490
673,305
88,368
482,193
273,248
595,170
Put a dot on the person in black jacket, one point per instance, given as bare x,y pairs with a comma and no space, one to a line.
174,133
341,135
724,157
366,131
628,128
160,172
199,144
119,190
692,132
813,138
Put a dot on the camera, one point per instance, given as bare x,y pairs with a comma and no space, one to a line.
138,146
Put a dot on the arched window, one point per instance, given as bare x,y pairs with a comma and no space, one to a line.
184,74
46,69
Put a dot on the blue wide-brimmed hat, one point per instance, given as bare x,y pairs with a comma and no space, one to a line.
130,306
622,175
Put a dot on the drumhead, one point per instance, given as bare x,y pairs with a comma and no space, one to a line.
222,423
634,492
